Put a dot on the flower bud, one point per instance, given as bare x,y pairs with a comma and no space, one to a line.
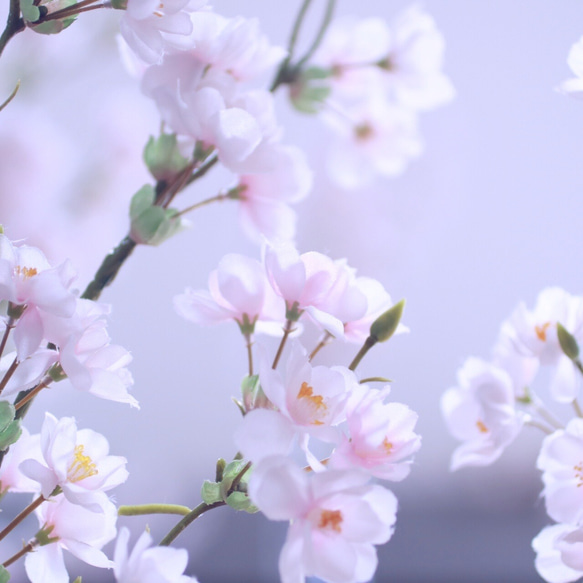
163,158
386,324
568,343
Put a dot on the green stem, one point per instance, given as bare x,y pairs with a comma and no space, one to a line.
538,425
203,169
249,344
14,24
577,408
368,344
286,332
236,481
9,326
10,98
321,32
188,519
325,340
141,509
202,203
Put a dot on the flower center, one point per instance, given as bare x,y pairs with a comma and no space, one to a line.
541,331
481,427
315,402
81,467
331,520
579,474
363,132
25,272
388,446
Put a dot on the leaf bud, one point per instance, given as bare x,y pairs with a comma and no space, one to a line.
386,324
568,343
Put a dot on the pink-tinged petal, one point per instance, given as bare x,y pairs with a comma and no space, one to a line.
200,307
264,433
120,555
176,24
327,321
28,333
48,293
112,386
77,373
548,562
271,219
326,484
332,558
88,554
286,271
36,471
30,371
279,489
7,289
46,565
291,563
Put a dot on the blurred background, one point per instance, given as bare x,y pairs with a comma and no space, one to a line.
489,215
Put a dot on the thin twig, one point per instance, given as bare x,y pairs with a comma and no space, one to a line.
18,519
286,332
14,24
321,32
25,549
188,519
8,374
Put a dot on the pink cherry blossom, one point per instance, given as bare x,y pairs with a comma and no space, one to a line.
559,549
336,520
76,529
75,460
561,461
381,437
238,290
11,478
481,412
148,564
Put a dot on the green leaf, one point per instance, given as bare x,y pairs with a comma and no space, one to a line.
233,469
10,435
240,501
211,492
7,413
4,575
30,12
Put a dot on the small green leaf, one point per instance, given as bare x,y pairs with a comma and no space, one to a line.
240,501
163,158
316,73
4,575
233,469
10,435
7,413
211,492
30,12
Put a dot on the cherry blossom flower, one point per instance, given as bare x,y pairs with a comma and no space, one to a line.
76,529
311,401
75,460
147,564
11,478
574,86
534,334
561,461
559,549
152,27
481,412
28,281
374,137
381,437
336,520
238,290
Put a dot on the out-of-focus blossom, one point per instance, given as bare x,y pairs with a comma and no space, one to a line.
238,290
534,334
374,138
481,412
74,528
381,437
561,461
152,27
574,86
336,520
310,401
559,552
77,461
147,564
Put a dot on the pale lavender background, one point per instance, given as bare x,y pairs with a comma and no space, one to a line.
489,215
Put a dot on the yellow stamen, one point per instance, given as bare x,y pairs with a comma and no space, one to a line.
331,519
388,446
481,427
579,474
25,272
541,331
81,467
307,392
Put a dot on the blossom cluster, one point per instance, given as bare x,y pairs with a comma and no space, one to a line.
296,416
495,399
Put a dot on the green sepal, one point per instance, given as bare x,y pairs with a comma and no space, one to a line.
220,469
54,26
233,469
78,580
30,12
163,158
568,343
57,373
386,324
150,224
4,575
317,73
211,492
43,536
119,4
240,501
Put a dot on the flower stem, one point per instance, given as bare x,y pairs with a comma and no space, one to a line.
25,549
8,374
577,408
326,339
539,407
237,479
14,24
249,344
141,509
188,519
9,326
368,344
202,203
286,332
538,425
22,401
321,32
18,519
